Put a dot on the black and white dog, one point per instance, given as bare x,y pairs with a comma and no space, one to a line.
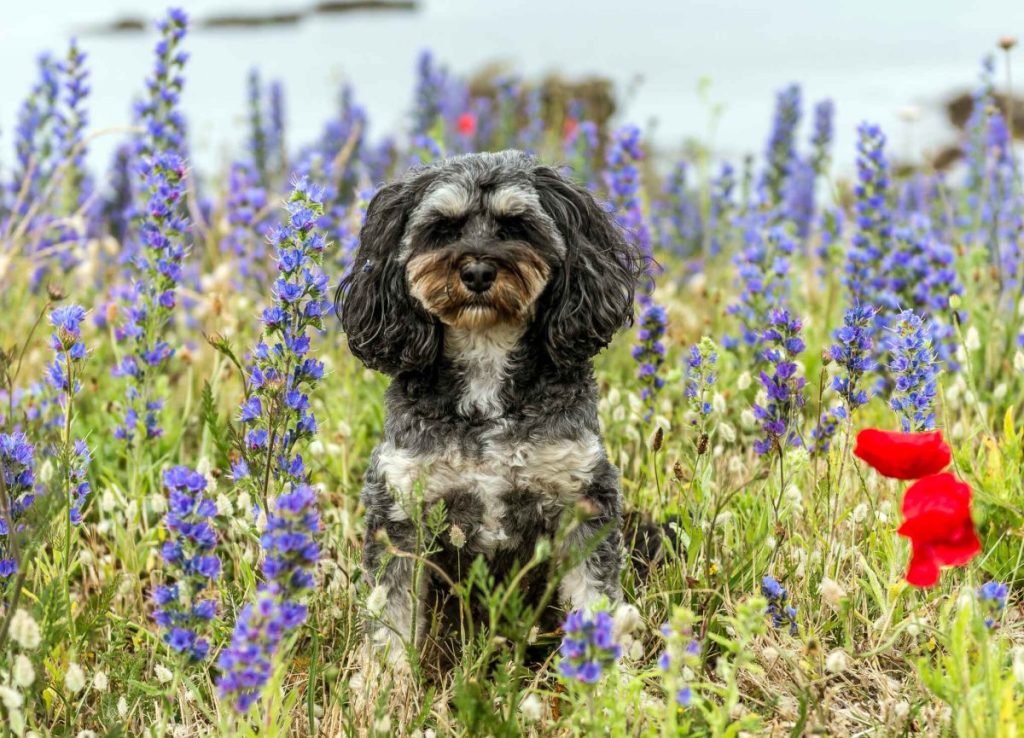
484,285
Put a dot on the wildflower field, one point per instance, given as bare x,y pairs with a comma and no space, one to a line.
820,403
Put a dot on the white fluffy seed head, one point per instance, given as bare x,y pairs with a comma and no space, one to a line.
531,707
625,620
23,673
832,592
836,662
74,678
163,674
99,682
25,631
11,698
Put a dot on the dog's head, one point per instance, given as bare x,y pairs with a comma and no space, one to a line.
481,240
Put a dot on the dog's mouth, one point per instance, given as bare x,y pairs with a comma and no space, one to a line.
470,291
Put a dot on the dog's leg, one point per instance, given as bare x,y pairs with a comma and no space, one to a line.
598,574
399,623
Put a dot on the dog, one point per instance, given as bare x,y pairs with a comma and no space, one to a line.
484,285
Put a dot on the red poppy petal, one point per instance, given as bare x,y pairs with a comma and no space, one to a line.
940,493
931,526
923,570
903,455
960,550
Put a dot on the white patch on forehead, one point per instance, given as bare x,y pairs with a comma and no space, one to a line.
513,200
483,356
448,199
516,200
451,199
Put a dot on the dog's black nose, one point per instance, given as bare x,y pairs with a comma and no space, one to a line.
478,276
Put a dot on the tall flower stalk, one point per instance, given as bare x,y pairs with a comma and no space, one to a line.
72,119
63,375
622,178
257,144
35,153
915,371
721,209
780,414
72,453
17,492
278,419
153,299
872,238
681,657
853,354
649,353
780,155
248,225
163,233
821,138
701,378
159,110
763,267
185,607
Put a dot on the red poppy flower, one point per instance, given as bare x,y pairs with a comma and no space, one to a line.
466,124
937,520
569,127
903,455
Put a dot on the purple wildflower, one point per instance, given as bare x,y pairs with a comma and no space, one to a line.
854,354
821,138
248,662
72,118
763,267
622,179
914,370
682,654
721,209
62,374
781,613
185,607
649,353
872,239
678,215
701,377
781,151
278,418
992,595
17,466
779,416
159,111
588,646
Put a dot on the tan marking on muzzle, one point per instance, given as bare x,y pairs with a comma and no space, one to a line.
435,282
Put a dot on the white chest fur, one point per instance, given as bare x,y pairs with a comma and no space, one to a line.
483,357
556,471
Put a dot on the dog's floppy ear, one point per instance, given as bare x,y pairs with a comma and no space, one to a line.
387,330
591,296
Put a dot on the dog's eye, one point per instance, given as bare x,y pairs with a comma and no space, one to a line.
446,231
512,229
